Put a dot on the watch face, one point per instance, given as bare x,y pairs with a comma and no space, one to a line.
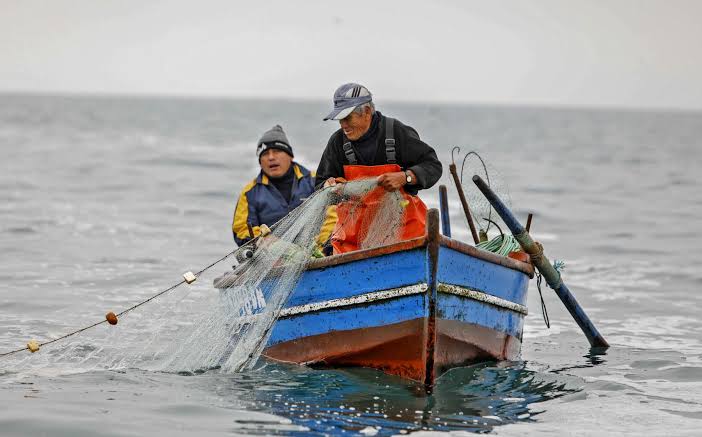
408,178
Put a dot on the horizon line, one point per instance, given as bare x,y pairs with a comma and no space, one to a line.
515,105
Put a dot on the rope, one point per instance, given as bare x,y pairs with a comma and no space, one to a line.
537,256
558,266
544,312
501,245
171,288
506,243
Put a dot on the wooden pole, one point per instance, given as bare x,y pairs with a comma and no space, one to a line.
552,277
443,206
464,203
433,244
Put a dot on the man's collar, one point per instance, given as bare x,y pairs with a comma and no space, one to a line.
298,171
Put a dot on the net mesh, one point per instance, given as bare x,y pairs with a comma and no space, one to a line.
484,216
192,331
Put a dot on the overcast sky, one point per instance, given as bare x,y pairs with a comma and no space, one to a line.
582,52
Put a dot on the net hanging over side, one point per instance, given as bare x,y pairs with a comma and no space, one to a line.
197,328
234,336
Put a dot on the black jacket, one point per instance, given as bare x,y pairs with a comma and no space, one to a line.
411,154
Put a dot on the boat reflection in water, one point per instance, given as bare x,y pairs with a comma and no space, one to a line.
475,398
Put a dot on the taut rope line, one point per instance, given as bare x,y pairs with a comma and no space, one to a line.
34,346
188,278
171,288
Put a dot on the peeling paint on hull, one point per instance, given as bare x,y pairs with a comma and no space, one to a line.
398,349
413,309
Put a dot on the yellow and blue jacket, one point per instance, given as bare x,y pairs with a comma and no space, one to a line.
260,203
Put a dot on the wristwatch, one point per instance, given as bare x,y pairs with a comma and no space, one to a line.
408,178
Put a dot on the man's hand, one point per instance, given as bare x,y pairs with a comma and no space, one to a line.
333,181
394,181
266,240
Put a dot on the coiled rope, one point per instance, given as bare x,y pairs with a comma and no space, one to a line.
501,245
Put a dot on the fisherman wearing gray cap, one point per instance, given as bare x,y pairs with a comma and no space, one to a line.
281,186
370,144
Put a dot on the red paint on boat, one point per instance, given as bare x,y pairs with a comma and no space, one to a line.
399,349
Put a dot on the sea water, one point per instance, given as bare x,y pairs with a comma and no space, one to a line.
106,200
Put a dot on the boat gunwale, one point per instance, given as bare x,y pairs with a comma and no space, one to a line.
357,255
505,261
406,245
415,243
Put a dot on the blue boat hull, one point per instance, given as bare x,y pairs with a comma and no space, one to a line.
414,309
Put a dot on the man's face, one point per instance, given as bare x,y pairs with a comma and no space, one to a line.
355,125
275,163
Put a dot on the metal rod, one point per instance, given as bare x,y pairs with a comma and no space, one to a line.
552,277
443,205
464,203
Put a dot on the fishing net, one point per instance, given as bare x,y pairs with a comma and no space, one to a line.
200,328
484,216
233,336
378,225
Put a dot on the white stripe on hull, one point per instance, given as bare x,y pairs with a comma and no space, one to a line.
375,296
394,293
481,297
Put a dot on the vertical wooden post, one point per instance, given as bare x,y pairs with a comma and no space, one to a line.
443,205
430,324
464,203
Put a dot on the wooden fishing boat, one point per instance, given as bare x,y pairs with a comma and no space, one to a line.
414,309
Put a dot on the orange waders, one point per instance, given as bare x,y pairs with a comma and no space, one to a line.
354,219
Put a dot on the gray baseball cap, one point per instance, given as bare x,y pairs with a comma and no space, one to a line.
346,98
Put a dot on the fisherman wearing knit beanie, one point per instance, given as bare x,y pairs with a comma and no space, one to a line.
274,138
281,186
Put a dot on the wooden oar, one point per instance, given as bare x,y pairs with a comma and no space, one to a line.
553,278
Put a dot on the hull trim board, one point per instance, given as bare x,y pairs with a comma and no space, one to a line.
482,297
361,299
394,293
